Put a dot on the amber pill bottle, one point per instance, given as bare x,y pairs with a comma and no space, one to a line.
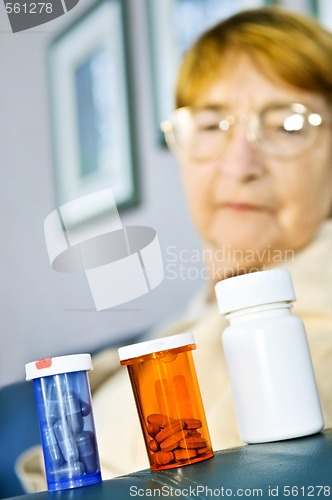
168,400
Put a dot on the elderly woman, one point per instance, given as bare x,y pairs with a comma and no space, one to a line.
253,136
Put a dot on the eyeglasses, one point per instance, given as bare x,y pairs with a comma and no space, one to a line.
281,130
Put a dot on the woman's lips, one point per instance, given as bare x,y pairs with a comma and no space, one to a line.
244,207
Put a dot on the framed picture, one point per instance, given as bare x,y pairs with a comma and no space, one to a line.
324,12
302,6
174,25
90,104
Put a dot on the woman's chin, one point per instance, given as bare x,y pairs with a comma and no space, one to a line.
244,240
244,251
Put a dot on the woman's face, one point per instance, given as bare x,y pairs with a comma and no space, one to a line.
248,200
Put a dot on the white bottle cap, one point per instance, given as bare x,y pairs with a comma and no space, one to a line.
254,289
156,345
55,366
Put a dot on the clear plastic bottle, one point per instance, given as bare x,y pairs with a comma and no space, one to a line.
268,358
168,400
63,399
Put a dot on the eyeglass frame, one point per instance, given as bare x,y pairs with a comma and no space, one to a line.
252,122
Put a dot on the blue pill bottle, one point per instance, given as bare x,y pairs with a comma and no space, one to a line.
66,424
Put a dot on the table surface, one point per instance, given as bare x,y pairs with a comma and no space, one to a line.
262,470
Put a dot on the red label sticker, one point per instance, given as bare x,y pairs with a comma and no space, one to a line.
43,363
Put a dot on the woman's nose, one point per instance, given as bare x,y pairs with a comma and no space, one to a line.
240,159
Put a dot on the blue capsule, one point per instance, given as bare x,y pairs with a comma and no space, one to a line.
87,450
66,441
51,447
85,408
53,407
73,412
52,413
71,470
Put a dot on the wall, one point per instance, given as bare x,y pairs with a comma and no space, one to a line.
46,313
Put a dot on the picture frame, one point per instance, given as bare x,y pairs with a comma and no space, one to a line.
174,24
308,7
324,13
93,140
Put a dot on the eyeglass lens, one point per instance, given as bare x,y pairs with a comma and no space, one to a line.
281,130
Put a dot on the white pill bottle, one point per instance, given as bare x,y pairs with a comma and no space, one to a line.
268,358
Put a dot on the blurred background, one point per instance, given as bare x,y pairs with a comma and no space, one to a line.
81,98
